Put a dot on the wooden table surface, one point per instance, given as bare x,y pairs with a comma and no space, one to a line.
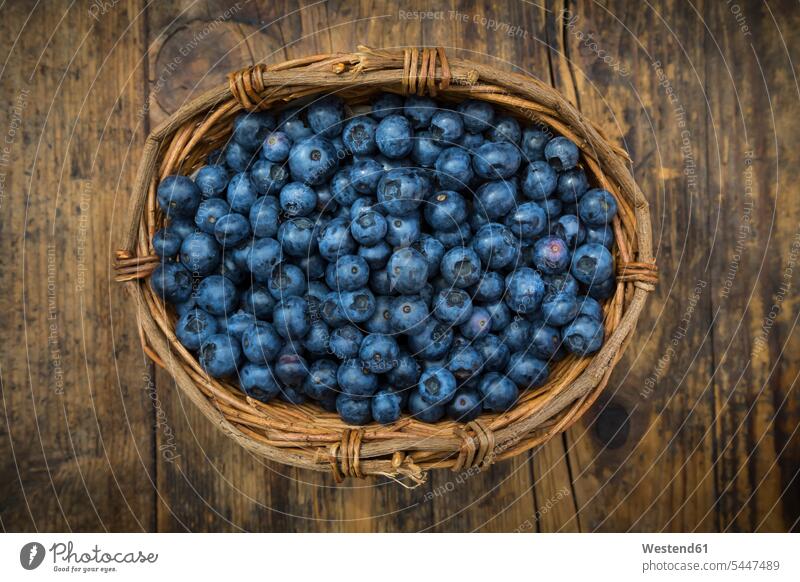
697,429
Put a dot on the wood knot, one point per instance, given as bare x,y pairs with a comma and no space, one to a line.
419,70
477,446
247,86
344,456
128,267
643,275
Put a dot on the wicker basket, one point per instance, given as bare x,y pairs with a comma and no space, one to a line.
306,436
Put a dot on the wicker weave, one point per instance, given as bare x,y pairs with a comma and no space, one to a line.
306,436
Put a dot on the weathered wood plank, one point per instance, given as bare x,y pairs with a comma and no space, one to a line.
77,436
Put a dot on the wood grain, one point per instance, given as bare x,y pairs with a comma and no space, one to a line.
697,429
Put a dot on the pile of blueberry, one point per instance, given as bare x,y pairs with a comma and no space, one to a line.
401,256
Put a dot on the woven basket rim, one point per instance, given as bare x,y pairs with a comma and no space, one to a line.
306,437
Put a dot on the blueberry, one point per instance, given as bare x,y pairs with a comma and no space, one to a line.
359,135
426,149
560,283
334,239
346,342
325,116
499,393
355,380
291,122
551,255
407,314
232,229
211,180
377,255
298,237
405,374
235,324
237,157
342,188
539,181
217,295
365,174
400,191
552,207
524,290
561,153
200,253
403,231
258,382
590,308
354,411
559,308
317,341
379,352
292,395
496,246
178,196
471,141
290,318
433,341
183,227
350,272
602,235
517,335
465,405
493,351
570,230
368,228
379,282
602,289
264,217
432,250
500,313
423,411
394,136
276,147
505,128
241,193
220,355
447,126
407,270
493,161
194,327
291,369
380,322
452,306
209,212
592,263
478,115
321,383
490,287
419,110
386,406
461,267
262,257
533,143
286,280
268,177
446,211
572,184
465,362
454,169
313,160
358,306
497,198
583,336
478,324
526,371
167,243
437,386
386,104
297,199
597,207
250,129
544,341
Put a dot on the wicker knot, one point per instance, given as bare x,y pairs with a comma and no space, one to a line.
127,267
247,85
472,453
419,70
643,275
344,455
